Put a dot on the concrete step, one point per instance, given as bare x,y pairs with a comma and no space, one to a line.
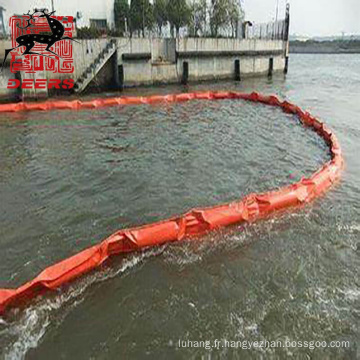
92,70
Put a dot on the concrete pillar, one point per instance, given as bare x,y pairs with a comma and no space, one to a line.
271,67
286,68
286,38
121,77
115,69
31,93
185,73
237,70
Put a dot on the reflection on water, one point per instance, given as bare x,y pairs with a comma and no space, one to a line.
68,179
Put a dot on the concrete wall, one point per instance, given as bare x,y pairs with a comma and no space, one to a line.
211,44
6,94
163,67
215,67
153,61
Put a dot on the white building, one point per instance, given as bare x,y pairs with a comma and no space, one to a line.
99,13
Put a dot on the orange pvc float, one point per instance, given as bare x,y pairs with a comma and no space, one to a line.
196,221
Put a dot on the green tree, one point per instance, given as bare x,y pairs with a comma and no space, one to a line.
121,15
198,18
141,16
235,15
218,16
160,14
179,14
224,14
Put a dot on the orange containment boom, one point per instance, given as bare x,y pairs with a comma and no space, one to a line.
196,221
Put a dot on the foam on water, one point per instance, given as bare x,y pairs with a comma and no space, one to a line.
29,326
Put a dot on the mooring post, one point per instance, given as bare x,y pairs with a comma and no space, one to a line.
271,67
237,70
286,38
286,65
116,82
18,90
185,74
121,77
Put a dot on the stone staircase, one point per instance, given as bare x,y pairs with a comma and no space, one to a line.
90,72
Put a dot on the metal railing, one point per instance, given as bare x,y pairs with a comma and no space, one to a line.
270,31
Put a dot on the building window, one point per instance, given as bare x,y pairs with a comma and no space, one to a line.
2,23
98,23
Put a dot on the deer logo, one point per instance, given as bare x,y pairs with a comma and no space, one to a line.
28,40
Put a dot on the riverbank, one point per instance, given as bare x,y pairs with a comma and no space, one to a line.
116,63
325,47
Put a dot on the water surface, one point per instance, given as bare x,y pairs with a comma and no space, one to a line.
69,179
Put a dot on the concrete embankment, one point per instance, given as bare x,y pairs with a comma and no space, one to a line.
115,63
